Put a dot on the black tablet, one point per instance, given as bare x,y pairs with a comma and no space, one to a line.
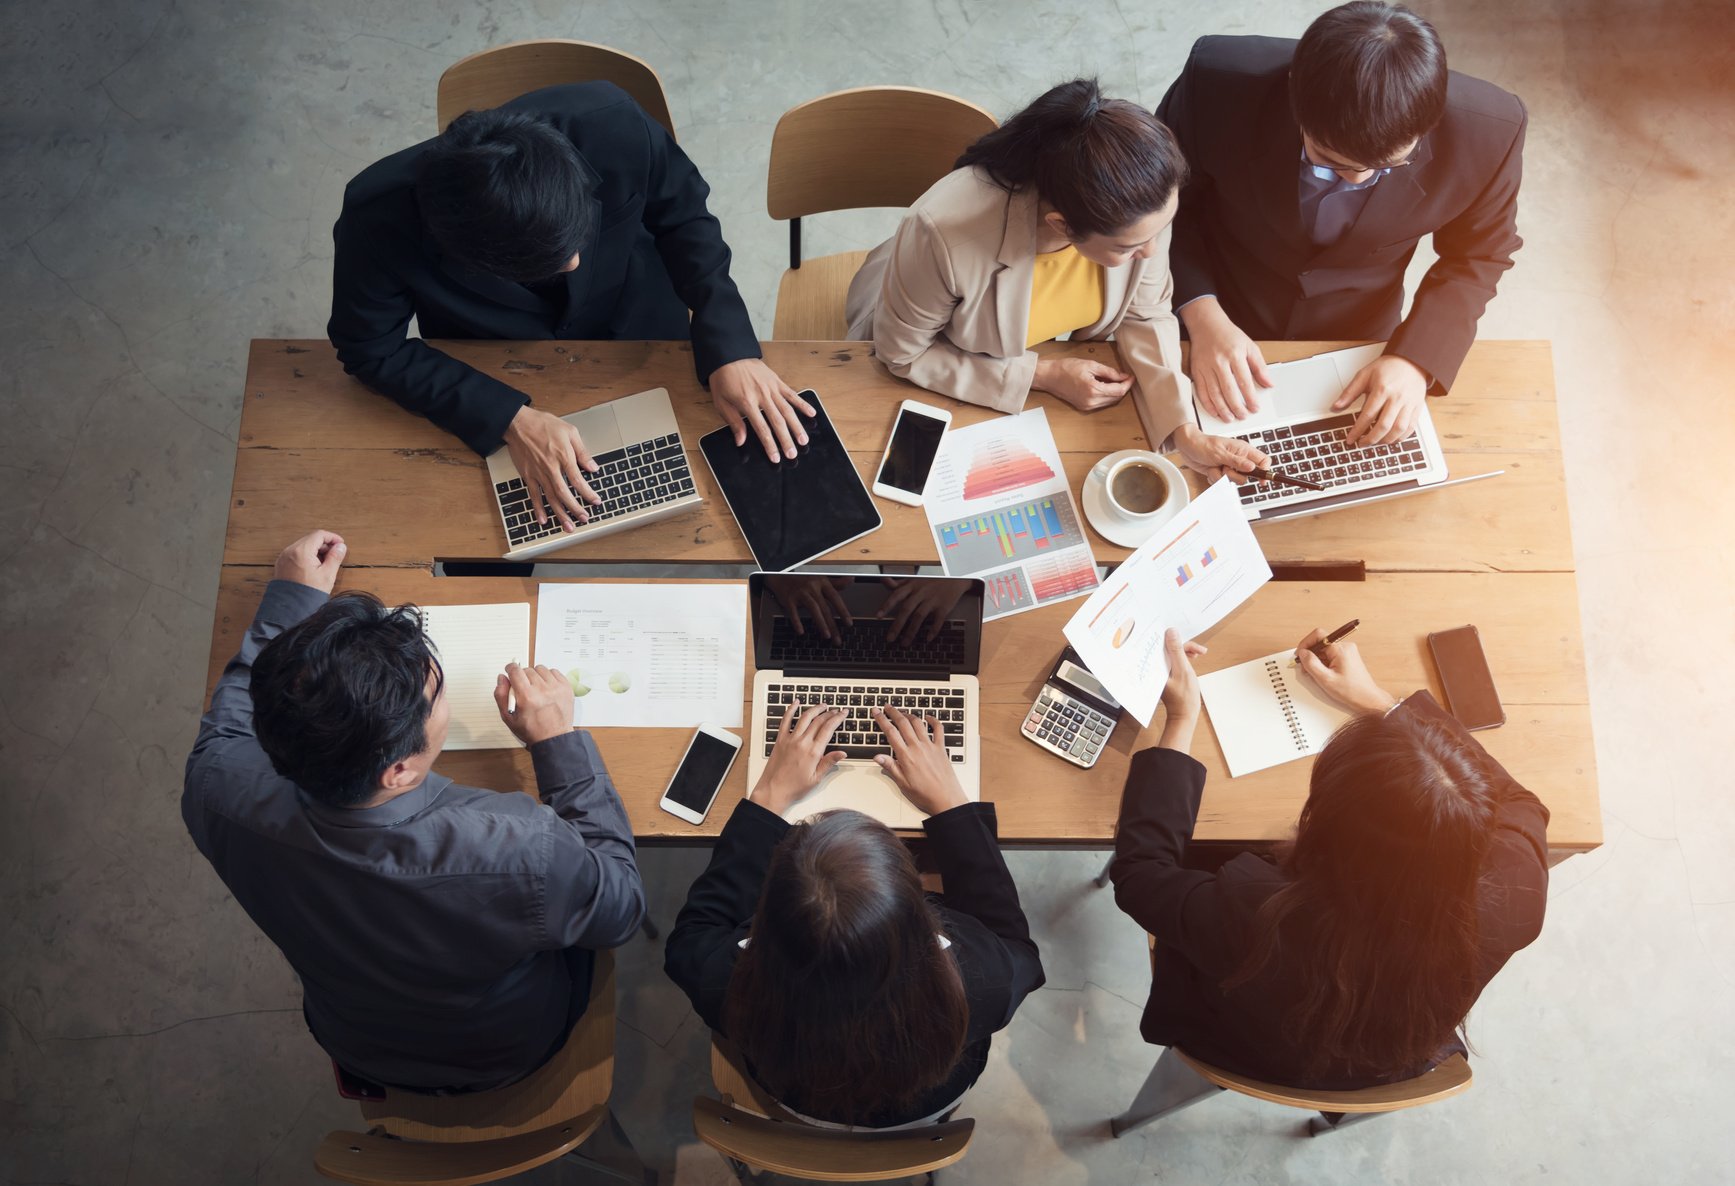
792,511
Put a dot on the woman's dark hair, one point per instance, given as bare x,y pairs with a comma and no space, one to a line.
1102,163
1383,878
1368,79
342,695
506,192
844,1003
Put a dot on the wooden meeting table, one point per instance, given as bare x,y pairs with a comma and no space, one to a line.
316,449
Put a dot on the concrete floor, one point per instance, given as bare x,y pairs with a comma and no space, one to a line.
169,172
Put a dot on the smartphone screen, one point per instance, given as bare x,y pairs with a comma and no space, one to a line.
915,442
701,773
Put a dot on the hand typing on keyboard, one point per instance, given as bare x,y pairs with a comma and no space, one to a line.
1395,389
551,458
801,757
918,762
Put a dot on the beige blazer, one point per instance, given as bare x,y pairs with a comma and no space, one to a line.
946,302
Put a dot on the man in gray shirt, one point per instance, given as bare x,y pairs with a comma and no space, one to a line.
442,934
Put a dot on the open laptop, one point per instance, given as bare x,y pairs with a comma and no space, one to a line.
1304,438
860,668
643,475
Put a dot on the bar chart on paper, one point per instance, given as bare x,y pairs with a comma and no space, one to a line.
1022,531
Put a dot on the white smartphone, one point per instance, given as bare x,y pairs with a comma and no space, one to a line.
700,775
903,472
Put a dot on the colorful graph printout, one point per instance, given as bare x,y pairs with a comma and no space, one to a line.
1020,532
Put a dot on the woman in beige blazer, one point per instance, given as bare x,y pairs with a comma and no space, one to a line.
1057,221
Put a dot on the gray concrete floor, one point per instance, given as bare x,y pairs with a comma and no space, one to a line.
169,171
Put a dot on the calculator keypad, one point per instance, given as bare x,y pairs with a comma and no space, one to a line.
1069,727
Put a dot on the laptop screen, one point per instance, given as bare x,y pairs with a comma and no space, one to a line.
866,626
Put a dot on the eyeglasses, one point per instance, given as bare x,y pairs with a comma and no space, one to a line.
1340,170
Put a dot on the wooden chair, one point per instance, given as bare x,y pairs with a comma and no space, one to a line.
457,1140
1179,1081
870,146
755,1133
494,76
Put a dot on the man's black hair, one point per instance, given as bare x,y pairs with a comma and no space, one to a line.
506,192
342,695
1368,79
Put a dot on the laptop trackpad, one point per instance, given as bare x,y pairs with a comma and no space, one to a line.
599,428
859,787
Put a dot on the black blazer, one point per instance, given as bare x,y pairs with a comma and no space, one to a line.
979,912
1239,234
656,253
1204,922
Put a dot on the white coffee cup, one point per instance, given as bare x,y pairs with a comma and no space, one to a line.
1137,488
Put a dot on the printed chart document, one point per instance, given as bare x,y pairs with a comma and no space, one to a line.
653,656
475,643
1197,567
1267,712
1000,509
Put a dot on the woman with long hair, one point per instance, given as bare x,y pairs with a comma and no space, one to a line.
854,998
1055,223
1418,867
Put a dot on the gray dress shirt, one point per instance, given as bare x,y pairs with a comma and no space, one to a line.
429,933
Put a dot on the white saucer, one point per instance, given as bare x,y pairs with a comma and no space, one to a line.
1110,523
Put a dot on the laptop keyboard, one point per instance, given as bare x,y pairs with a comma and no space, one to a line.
858,736
1315,450
866,642
640,476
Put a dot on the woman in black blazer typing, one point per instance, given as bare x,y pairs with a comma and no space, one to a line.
1418,867
855,999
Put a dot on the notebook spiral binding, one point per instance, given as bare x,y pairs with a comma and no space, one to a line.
1280,689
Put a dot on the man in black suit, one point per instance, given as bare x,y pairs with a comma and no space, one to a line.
1317,166
566,213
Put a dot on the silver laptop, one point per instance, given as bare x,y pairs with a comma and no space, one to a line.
864,664
643,475
1304,438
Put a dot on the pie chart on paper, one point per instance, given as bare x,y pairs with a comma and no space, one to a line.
1122,632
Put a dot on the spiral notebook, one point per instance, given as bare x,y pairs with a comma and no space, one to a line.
475,643
1266,712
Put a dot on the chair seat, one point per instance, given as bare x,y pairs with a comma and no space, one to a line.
1448,1079
370,1160
810,299
828,1155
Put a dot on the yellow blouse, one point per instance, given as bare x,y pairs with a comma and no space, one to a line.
1065,295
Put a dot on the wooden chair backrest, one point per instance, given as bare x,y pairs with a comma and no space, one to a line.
1448,1079
828,1155
870,146
369,1160
494,76
573,1083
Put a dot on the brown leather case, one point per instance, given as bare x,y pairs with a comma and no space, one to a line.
1464,673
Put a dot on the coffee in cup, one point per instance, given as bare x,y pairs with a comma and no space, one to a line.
1136,487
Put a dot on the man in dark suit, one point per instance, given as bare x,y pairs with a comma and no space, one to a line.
1317,166
566,213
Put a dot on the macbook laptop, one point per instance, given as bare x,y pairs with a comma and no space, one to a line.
869,660
1304,438
643,475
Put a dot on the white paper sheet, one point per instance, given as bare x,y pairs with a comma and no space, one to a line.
475,643
647,655
1000,509
1267,712
1196,569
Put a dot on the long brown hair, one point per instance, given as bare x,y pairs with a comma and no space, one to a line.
844,1002
1385,869
1102,163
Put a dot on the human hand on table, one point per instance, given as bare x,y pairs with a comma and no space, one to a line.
800,758
918,762
748,394
1181,700
1342,677
1216,456
535,702
1084,383
313,560
550,456
1395,389
1226,366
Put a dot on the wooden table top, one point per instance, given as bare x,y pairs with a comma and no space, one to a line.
317,450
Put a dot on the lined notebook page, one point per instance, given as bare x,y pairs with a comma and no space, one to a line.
1266,712
475,643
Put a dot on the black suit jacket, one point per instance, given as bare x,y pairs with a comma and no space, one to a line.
1204,923
979,912
656,252
1239,233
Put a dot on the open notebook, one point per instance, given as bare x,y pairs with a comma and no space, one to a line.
475,643
1267,712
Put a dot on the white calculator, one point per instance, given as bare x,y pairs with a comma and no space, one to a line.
1074,714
